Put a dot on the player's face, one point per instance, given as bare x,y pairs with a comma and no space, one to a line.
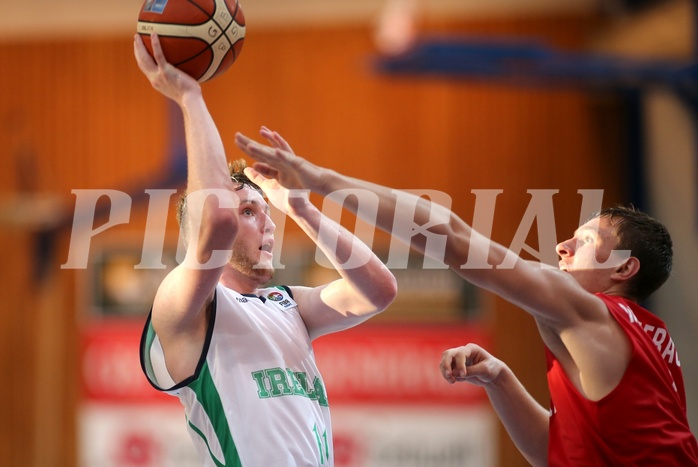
254,243
590,255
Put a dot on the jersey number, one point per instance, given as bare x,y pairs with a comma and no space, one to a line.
322,445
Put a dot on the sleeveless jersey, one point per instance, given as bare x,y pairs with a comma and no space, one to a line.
256,397
642,421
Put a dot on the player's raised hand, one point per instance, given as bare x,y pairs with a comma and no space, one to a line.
284,199
163,76
275,139
470,363
278,161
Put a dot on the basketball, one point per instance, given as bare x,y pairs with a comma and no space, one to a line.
203,38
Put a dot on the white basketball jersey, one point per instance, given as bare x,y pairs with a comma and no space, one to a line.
256,398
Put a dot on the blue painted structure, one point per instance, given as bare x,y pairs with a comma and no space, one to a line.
530,63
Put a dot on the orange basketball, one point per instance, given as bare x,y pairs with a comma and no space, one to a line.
203,38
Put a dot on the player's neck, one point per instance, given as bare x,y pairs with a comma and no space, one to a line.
239,282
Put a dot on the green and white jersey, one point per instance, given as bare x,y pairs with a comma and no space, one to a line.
256,398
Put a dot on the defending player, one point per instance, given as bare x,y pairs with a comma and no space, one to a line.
617,395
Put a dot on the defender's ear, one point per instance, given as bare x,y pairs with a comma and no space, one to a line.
626,270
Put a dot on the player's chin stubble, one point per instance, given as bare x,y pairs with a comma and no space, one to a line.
250,266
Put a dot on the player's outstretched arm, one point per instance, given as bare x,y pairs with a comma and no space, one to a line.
530,286
276,160
525,420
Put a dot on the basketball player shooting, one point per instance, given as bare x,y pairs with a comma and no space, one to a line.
238,354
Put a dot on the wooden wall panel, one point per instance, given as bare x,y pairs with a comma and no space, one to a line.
16,353
78,114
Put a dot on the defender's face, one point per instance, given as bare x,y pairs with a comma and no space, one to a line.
591,255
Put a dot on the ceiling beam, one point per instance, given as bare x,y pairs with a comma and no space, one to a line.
41,19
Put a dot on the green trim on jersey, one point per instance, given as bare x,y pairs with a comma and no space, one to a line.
210,400
149,338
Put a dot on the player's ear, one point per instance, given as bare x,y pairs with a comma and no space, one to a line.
627,269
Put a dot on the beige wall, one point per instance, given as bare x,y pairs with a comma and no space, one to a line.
671,163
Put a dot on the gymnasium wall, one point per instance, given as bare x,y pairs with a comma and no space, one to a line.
670,136
78,114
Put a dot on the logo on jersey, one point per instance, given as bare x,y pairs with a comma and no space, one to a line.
280,300
275,296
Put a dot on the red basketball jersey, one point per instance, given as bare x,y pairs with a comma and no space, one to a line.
642,421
